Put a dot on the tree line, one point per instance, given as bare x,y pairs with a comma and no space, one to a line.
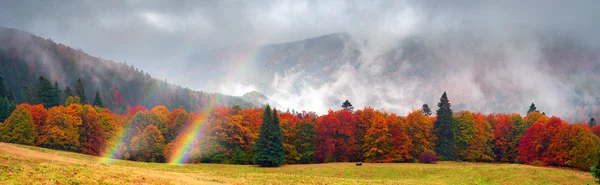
266,137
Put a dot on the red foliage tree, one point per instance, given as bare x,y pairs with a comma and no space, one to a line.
335,140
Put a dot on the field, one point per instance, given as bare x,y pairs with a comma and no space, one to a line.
32,165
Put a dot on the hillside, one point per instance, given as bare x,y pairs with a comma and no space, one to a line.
24,57
24,164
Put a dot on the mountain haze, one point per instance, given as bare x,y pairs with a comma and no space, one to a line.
481,71
24,57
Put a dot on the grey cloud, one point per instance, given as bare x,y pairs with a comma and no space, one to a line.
157,36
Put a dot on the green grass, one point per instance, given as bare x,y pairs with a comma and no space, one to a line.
31,165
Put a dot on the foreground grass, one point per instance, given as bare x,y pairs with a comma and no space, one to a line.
31,165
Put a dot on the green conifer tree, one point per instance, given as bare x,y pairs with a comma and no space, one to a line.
80,91
532,108
426,110
97,100
269,151
444,129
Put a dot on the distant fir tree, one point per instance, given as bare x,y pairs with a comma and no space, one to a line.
7,104
10,95
532,108
45,93
269,151
80,91
592,122
444,129
3,91
57,94
426,110
6,108
97,100
347,106
67,92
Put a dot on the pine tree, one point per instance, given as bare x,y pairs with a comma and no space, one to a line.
2,88
592,122
6,108
44,93
532,108
426,110
67,92
97,100
80,91
444,129
56,95
269,151
347,106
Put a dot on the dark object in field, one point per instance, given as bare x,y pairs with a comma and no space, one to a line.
358,163
428,157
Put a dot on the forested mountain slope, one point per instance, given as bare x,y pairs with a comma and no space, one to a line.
24,57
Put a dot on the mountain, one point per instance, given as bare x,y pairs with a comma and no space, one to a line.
480,71
24,57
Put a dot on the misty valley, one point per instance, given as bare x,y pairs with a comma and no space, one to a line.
299,92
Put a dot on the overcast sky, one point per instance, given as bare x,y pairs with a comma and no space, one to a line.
151,34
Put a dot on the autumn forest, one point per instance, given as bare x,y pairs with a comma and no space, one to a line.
230,134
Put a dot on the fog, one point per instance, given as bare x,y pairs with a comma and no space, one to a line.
476,48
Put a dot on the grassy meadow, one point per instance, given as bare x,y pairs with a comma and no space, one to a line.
32,165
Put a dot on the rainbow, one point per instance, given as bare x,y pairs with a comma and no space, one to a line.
110,152
189,132
187,135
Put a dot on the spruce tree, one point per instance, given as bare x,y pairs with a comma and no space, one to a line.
592,122
426,110
80,91
2,88
269,151
532,108
347,106
67,93
44,93
56,95
6,108
444,129
97,100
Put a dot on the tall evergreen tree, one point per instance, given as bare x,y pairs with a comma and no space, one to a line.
6,108
444,129
45,93
592,122
426,110
56,95
2,88
347,106
80,91
98,101
532,108
269,151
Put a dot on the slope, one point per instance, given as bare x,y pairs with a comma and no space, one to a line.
24,57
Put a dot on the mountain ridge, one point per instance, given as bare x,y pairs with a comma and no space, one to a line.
121,86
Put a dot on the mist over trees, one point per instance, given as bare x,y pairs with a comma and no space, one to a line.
29,65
